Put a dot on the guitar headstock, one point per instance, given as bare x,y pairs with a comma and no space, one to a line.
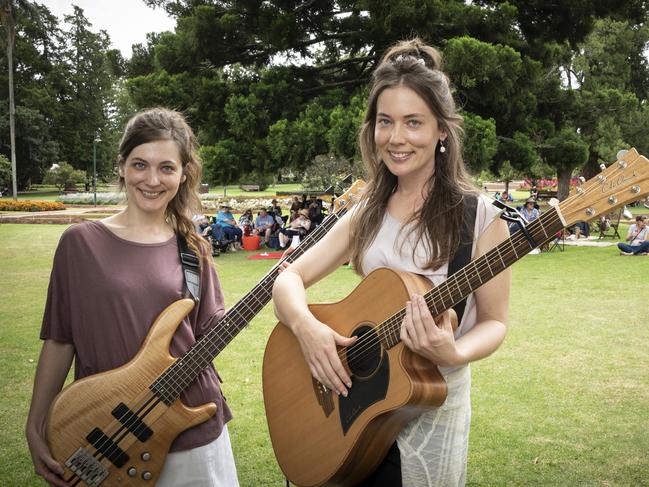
349,197
624,181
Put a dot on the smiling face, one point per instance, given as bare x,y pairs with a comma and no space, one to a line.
152,175
406,133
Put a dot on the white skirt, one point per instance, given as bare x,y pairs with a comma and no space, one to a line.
433,447
211,465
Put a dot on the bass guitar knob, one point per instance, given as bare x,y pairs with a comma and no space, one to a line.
131,472
146,475
146,456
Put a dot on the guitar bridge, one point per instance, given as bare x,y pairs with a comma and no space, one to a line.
324,397
87,467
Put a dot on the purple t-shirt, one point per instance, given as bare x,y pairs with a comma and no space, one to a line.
105,293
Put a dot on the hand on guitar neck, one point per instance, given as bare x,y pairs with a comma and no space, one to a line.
432,338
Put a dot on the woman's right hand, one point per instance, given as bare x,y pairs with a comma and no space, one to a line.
319,344
44,464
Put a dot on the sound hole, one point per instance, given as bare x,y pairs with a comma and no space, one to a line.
364,356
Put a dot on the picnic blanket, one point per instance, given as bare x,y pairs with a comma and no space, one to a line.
266,255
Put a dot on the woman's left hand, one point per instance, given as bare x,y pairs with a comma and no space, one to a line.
421,334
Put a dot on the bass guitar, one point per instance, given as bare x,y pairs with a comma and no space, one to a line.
320,438
115,428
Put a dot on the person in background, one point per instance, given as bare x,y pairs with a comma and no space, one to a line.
410,219
315,211
111,279
529,210
637,238
246,222
264,225
275,208
296,204
231,229
299,226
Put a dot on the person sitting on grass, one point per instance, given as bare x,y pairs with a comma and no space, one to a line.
637,238
264,224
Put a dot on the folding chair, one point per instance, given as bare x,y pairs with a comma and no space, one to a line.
603,227
558,243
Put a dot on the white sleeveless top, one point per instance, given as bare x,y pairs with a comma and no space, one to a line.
393,246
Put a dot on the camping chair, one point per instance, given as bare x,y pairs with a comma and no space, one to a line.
559,242
606,224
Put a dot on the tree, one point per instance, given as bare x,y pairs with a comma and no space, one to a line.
63,176
565,151
5,173
329,171
306,63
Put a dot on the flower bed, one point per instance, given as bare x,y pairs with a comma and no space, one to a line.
29,205
89,198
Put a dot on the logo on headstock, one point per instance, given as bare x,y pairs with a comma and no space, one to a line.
612,183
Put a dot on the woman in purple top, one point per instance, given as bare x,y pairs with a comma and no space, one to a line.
110,279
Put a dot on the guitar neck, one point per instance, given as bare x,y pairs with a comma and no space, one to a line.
183,372
465,281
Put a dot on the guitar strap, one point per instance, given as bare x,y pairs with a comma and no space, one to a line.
463,255
191,269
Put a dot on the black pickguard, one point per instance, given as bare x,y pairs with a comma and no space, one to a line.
370,368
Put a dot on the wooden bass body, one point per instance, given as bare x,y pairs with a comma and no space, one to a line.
114,418
321,438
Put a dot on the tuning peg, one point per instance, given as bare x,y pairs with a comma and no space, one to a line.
621,153
602,166
582,180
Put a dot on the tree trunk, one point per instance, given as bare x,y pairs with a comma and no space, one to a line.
591,168
12,109
563,176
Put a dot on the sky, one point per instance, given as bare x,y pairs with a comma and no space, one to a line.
126,21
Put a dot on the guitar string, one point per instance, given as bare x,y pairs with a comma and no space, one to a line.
201,353
368,343
385,330
125,427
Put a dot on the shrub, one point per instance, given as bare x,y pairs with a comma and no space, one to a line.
64,176
29,205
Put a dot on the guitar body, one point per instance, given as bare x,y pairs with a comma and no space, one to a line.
88,404
320,438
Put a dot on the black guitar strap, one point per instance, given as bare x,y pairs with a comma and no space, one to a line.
191,269
463,255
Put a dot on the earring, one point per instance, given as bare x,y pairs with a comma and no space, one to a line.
442,149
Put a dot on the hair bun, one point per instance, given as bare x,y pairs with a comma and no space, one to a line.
414,50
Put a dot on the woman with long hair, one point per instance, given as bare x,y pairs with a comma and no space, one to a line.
110,280
410,218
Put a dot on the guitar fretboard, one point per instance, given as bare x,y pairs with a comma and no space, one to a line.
458,286
185,370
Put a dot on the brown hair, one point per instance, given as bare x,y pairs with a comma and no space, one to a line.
417,66
162,124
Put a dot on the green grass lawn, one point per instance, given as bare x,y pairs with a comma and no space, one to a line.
565,401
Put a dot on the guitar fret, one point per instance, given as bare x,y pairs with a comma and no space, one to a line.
513,248
181,373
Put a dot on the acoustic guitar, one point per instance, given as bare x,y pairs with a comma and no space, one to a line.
115,428
320,438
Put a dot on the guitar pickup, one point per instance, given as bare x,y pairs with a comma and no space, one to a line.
107,447
132,422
